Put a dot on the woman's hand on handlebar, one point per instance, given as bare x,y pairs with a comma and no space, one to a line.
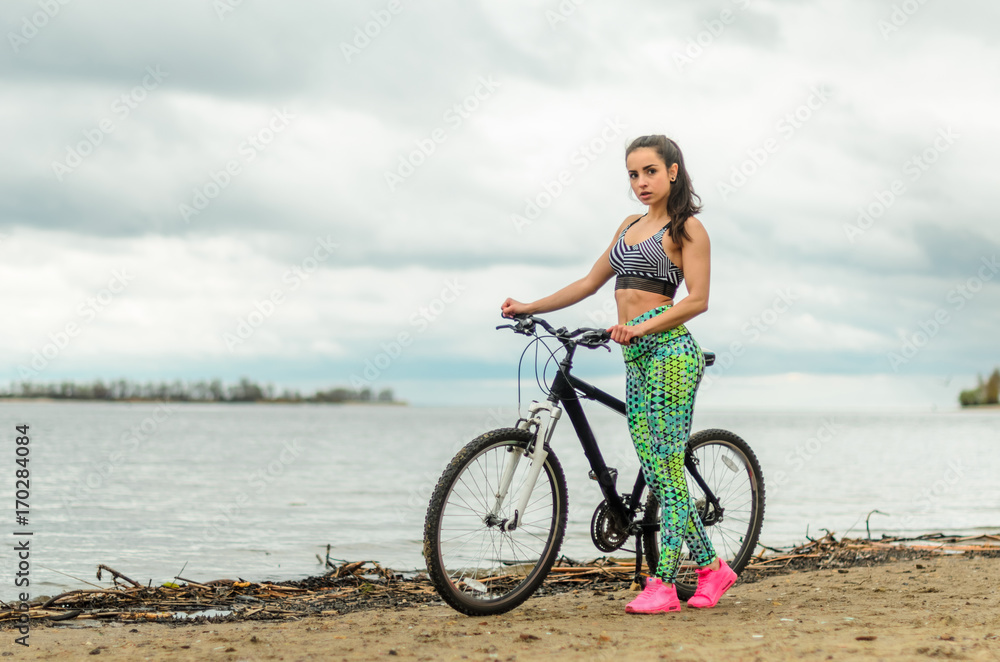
511,307
623,335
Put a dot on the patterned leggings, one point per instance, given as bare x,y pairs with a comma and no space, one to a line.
663,371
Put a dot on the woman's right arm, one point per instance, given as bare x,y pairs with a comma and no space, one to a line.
576,291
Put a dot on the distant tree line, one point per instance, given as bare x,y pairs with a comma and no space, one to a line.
245,390
986,392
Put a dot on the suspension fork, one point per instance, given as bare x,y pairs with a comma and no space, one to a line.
544,427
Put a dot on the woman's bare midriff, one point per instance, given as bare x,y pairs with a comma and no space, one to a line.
632,303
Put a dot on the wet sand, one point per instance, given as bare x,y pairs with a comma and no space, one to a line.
943,607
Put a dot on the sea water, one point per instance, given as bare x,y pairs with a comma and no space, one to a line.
259,491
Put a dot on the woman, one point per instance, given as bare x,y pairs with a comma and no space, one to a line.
651,254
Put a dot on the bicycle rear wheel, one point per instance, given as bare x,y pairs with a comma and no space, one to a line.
475,566
731,471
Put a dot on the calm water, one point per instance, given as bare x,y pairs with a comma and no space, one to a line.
257,491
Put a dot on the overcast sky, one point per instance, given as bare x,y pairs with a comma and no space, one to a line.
316,194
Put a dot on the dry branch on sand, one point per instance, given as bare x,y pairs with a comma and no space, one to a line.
367,585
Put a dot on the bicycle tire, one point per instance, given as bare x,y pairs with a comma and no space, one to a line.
731,470
490,583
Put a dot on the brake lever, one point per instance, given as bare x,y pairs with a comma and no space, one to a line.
525,326
597,344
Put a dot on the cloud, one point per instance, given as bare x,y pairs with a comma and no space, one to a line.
486,143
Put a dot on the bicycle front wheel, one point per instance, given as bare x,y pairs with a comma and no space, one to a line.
732,473
477,567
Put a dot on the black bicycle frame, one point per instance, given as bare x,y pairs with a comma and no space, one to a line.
566,390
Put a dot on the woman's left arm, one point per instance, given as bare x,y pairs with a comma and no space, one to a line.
697,260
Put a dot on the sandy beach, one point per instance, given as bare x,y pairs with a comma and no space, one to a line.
941,607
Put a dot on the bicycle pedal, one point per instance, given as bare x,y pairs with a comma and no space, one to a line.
611,470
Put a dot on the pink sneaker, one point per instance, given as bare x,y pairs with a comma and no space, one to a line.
655,598
711,585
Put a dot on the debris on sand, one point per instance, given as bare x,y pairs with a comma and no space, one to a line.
360,585
828,552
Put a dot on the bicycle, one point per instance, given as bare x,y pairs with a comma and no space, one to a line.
497,516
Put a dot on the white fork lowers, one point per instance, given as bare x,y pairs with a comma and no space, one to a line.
544,426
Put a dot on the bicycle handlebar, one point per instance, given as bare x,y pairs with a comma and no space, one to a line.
586,337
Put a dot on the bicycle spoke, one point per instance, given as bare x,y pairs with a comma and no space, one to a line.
469,506
480,562
728,468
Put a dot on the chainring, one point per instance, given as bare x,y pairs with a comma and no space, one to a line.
606,535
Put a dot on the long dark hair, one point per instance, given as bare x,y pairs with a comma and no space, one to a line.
683,202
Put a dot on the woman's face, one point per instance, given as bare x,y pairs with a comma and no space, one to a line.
649,175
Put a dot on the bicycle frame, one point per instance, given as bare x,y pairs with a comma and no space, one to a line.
565,394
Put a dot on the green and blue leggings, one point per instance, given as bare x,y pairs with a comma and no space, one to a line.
663,371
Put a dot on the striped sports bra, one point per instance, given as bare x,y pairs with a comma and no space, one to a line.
645,266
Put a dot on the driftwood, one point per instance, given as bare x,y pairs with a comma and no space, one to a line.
828,552
353,586
117,575
346,588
